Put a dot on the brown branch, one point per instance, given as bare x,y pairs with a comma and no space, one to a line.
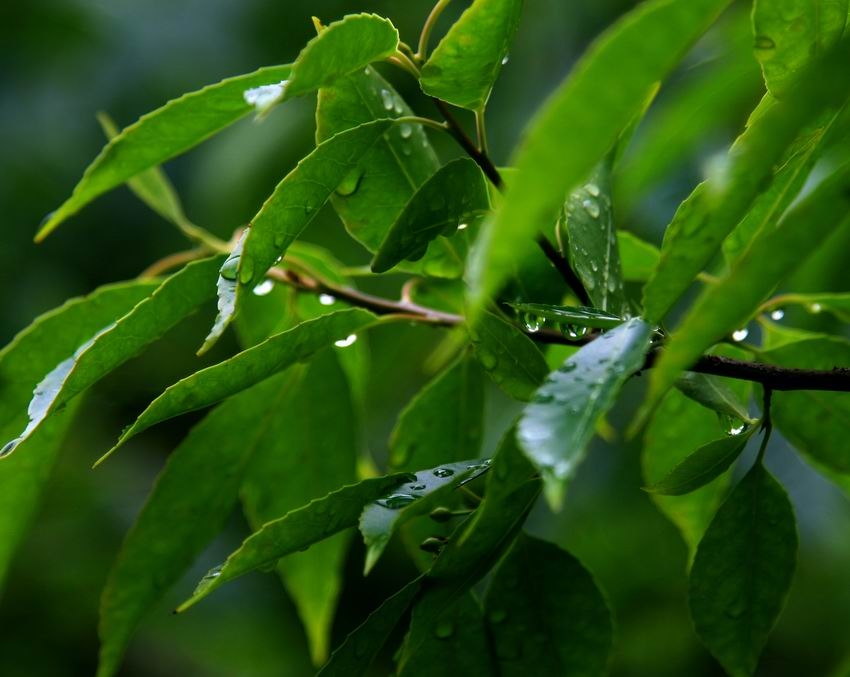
480,157
563,267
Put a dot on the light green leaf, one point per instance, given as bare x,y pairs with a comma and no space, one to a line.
713,393
638,258
251,366
342,47
742,571
704,465
23,362
188,506
540,592
508,356
163,134
836,304
734,299
464,66
444,422
561,316
588,225
456,194
558,424
789,33
816,423
309,450
121,340
418,496
295,531
580,124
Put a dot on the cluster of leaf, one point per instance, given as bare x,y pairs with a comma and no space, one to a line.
283,438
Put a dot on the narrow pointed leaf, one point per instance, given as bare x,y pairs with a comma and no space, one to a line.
161,135
836,304
711,392
188,506
465,64
227,288
639,258
743,570
580,124
560,421
251,366
30,355
298,529
578,316
454,195
546,614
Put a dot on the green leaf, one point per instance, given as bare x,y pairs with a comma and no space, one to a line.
789,33
558,424
227,289
546,614
444,422
717,205
711,392
295,531
816,423
742,571
734,299
163,134
454,195
425,490
638,258
311,449
704,465
464,66
509,357
190,502
580,124
208,386
355,655
342,47
836,304
23,362
588,224
540,314
121,340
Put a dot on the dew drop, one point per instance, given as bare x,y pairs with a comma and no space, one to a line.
740,334
347,341
351,182
405,131
444,629
462,226
9,447
777,314
264,97
574,332
532,322
215,572
327,299
592,189
265,287
567,367
443,472
396,501
591,207
387,98
486,358
815,308
764,42
418,487
230,268
736,430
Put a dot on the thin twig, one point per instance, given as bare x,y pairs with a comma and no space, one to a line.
457,131
563,267
172,261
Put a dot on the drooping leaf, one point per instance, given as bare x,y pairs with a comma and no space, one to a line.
773,255
704,465
508,356
121,340
418,496
580,124
251,366
816,423
588,225
546,614
742,571
310,449
465,64
444,422
163,134
711,392
789,33
227,288
454,195
563,316
32,353
558,424
295,531
639,258
188,506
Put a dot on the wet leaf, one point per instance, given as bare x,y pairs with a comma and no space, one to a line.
711,392
564,316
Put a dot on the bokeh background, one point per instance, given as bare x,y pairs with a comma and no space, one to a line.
61,61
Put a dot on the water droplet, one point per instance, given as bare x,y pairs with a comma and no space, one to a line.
351,182
444,629
591,207
777,314
265,287
462,226
542,398
815,308
505,59
215,572
567,367
612,284
441,514
498,615
574,332
387,98
443,472
594,266
406,149
347,341
592,189
397,108
230,268
532,322
486,358
405,130
764,42
418,487
327,299
396,501
9,447
740,334
265,96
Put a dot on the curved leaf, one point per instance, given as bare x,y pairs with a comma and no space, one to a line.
560,316
711,392
639,258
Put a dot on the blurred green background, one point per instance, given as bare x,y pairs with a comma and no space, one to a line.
63,60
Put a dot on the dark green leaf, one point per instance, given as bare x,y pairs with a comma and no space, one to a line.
561,317
580,124
159,136
638,258
742,571
789,33
456,194
466,63
32,353
189,504
546,614
508,356
443,422
711,392
558,424
251,366
295,531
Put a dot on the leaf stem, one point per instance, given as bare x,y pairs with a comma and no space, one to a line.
422,51
457,131
481,131
172,261
401,59
425,122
